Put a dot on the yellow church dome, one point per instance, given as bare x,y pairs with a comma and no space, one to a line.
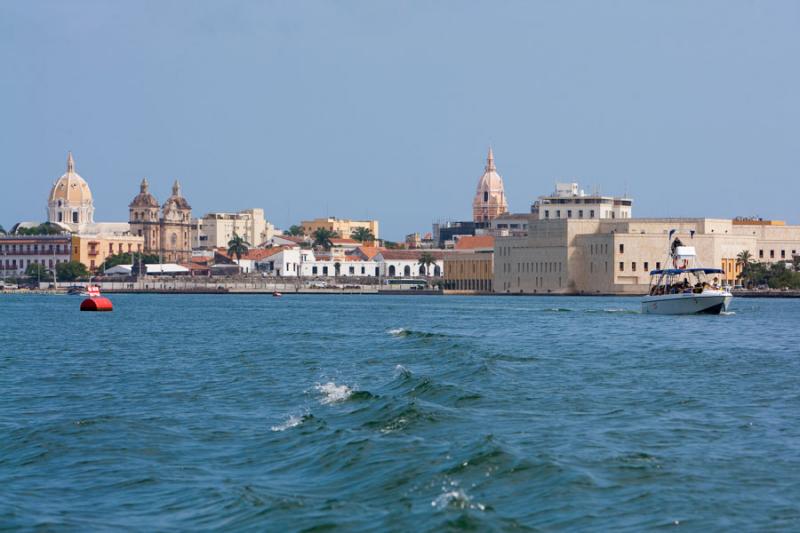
70,203
70,188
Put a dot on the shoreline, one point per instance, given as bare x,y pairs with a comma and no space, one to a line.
353,292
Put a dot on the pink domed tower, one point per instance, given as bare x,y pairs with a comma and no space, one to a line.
490,198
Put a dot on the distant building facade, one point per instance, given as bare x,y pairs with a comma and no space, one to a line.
470,267
570,201
17,252
93,250
215,230
343,227
166,232
574,256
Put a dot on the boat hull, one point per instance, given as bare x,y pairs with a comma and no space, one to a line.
709,303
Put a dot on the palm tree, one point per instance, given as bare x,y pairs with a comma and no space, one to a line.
745,260
323,236
744,257
238,246
426,259
362,234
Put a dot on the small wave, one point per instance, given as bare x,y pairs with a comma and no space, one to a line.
728,313
403,332
333,393
456,499
557,310
401,371
291,422
614,310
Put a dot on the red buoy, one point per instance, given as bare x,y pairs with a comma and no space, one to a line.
98,303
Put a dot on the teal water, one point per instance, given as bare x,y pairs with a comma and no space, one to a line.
409,413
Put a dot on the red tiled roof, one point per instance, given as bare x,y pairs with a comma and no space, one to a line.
255,254
471,242
369,251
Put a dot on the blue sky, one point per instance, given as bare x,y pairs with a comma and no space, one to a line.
386,109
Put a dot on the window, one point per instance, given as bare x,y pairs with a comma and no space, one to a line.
74,217
646,266
633,266
783,254
591,213
569,213
546,213
580,213
486,196
622,248
772,254
761,254
558,213
621,266
313,270
658,265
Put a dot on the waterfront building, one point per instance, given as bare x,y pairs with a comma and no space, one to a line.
615,256
510,224
248,262
405,263
166,232
490,197
17,252
215,230
570,201
344,228
470,267
93,249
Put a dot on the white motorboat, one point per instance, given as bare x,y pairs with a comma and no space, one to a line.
685,289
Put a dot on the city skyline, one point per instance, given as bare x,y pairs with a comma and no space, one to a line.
284,108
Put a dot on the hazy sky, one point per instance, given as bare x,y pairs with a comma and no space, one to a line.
386,109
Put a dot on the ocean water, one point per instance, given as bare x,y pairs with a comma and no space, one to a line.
374,413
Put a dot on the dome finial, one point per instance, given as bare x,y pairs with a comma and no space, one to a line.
490,161
176,188
70,163
144,186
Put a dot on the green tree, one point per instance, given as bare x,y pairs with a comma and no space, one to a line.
238,247
44,228
70,271
38,271
362,234
323,236
294,231
426,259
127,259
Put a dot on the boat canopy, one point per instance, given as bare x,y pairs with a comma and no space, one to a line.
679,271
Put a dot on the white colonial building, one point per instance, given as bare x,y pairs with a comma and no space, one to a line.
570,201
